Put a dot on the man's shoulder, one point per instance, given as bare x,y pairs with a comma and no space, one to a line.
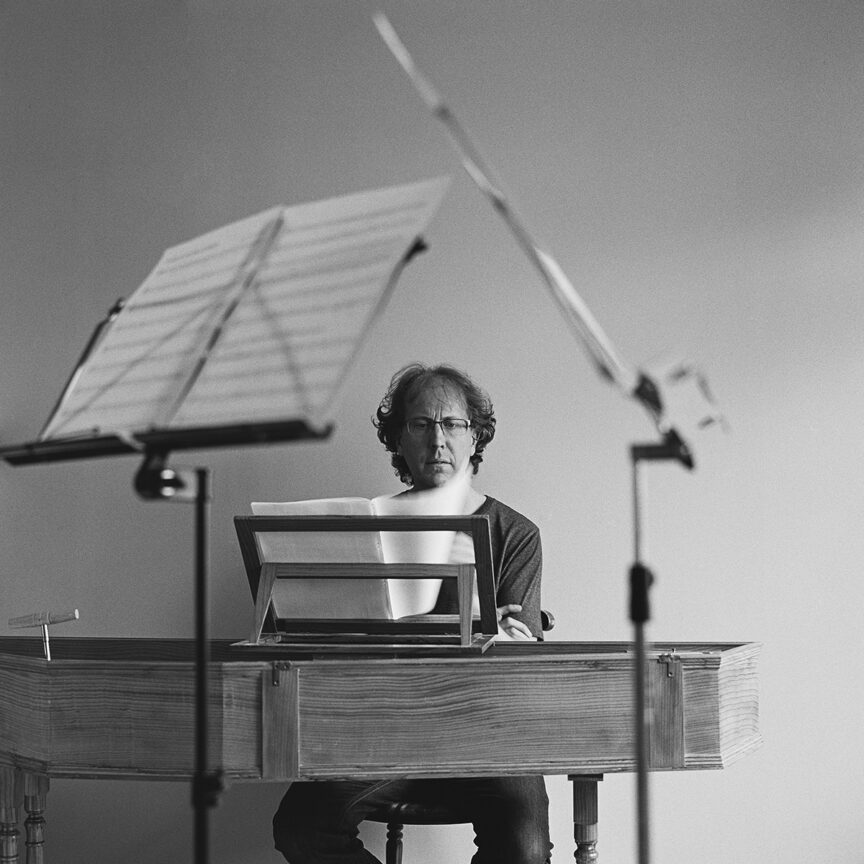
506,517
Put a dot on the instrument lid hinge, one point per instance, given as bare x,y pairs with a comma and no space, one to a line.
279,666
671,660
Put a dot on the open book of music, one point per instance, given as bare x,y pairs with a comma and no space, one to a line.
253,323
338,567
384,599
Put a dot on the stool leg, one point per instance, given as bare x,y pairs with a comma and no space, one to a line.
585,816
394,843
35,802
11,798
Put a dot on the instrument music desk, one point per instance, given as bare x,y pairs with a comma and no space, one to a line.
124,708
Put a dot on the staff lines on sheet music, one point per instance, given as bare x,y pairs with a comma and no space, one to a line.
328,233
266,402
281,250
73,411
296,338
254,298
284,339
296,233
132,372
145,304
360,244
244,373
139,370
295,246
233,237
138,352
315,303
138,401
184,333
296,227
236,235
221,313
313,288
165,358
330,353
303,336
159,312
219,279
284,296
208,253
333,306
181,253
307,340
288,390
313,340
339,257
298,285
291,410
317,369
158,316
315,291
140,374
234,250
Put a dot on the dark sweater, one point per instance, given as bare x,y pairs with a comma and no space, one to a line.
517,558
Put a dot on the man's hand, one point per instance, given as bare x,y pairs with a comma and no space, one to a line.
512,628
509,628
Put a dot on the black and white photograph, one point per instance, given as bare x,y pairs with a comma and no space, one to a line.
431,431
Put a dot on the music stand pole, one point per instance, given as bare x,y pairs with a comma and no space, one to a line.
155,481
641,578
206,784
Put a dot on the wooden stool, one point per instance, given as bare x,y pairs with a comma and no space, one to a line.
397,816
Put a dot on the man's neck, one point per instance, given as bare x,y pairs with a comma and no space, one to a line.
471,500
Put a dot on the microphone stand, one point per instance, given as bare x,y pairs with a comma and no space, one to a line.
672,447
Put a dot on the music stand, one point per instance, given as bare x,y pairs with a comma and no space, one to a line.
269,310
674,448
362,634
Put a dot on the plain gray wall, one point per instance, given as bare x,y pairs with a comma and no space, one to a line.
695,167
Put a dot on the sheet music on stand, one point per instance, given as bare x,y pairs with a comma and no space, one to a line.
252,324
244,335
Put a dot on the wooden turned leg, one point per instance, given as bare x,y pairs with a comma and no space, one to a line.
585,816
35,801
11,798
394,843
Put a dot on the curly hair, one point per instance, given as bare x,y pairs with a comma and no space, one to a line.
389,419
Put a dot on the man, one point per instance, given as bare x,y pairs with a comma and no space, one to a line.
436,423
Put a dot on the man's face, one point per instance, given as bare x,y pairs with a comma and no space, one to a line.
434,457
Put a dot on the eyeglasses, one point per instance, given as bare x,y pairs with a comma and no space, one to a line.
452,427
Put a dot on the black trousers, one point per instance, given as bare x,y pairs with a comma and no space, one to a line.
317,822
